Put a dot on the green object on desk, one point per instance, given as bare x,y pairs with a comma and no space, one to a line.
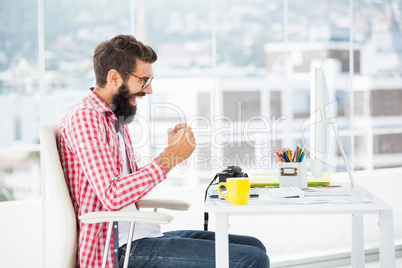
272,179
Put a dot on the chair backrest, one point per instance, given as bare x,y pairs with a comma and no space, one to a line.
60,219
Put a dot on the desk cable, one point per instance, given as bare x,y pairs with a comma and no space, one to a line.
206,216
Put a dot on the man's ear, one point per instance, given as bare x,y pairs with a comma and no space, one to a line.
114,78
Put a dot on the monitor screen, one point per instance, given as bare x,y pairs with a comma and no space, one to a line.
319,125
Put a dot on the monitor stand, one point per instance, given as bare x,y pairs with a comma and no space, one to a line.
334,190
338,140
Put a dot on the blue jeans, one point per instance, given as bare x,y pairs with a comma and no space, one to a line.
193,249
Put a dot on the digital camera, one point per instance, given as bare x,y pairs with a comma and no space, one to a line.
231,172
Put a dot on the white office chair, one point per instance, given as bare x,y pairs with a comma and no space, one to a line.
61,223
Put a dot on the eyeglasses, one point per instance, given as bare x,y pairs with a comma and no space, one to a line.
147,80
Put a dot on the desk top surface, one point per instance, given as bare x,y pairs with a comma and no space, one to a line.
359,201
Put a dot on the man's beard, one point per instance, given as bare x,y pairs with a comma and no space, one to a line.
121,105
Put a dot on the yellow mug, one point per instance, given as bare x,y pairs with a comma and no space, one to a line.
238,190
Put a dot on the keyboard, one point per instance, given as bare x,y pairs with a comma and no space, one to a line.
343,190
214,194
283,192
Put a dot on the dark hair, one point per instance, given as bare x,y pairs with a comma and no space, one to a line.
120,53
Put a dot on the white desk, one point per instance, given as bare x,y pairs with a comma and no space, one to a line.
222,210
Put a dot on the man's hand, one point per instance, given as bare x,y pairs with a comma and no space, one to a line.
181,144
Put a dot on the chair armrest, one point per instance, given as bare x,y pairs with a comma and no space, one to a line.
110,216
164,203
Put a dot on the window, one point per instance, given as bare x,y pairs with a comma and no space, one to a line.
386,102
237,71
242,105
239,59
19,101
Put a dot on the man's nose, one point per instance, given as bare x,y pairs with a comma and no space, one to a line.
148,89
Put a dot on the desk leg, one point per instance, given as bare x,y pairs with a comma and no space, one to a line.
221,240
387,246
357,240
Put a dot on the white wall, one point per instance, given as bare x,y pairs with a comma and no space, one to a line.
21,234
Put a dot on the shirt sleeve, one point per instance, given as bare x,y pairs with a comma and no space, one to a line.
95,149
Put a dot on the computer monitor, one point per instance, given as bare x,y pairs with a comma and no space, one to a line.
321,114
319,125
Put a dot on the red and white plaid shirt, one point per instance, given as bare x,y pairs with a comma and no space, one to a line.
89,152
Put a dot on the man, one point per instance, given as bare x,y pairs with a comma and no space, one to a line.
102,175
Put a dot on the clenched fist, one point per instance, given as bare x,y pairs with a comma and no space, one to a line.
181,144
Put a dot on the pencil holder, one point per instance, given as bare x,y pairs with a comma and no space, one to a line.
293,174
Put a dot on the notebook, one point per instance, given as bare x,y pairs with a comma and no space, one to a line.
272,179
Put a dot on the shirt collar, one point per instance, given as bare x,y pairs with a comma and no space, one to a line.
99,104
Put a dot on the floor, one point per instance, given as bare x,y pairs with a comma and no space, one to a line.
376,264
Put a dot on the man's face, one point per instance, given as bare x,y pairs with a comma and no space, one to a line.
124,103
